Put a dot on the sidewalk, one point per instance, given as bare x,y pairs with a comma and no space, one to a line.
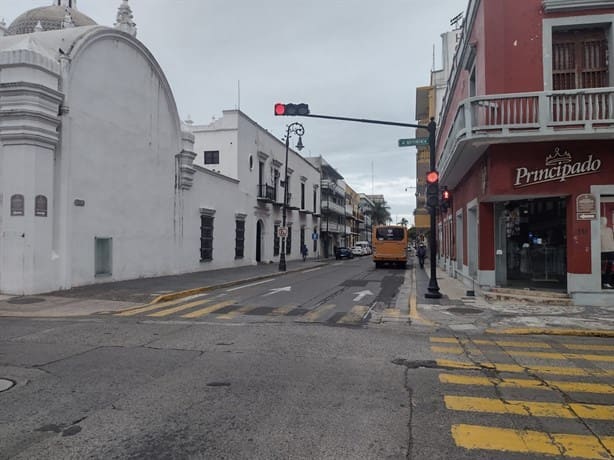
113,296
461,311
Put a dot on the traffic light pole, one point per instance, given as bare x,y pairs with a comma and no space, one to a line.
433,288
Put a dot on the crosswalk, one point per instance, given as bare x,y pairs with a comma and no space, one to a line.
203,307
533,397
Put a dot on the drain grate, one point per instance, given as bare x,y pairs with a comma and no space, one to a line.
465,310
25,300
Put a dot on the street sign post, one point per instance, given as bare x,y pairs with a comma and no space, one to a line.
412,142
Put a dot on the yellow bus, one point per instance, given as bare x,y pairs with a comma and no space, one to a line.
389,245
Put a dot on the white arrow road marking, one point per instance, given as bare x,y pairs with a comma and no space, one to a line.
248,285
361,294
277,290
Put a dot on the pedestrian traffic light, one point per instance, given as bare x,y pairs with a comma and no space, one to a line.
291,109
446,199
432,189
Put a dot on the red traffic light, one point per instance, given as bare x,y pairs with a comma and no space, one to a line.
432,177
291,109
445,194
280,109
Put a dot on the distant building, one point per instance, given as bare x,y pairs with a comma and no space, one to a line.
332,205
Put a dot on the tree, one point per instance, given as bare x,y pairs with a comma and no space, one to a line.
381,213
404,222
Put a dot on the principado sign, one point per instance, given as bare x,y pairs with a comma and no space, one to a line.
559,167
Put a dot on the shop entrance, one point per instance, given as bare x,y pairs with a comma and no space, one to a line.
532,243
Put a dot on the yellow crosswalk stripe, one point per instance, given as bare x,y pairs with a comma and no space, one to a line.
579,346
150,307
284,310
531,408
532,442
237,312
209,309
447,350
570,387
355,315
501,343
185,306
515,368
315,315
530,354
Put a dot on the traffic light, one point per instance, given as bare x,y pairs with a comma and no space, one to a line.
291,109
446,199
432,189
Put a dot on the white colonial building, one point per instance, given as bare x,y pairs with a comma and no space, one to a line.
97,175
237,147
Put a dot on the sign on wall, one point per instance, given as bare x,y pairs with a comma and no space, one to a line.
559,167
586,207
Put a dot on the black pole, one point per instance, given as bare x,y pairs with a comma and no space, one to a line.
282,255
296,128
433,289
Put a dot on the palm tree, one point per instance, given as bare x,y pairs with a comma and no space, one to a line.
380,214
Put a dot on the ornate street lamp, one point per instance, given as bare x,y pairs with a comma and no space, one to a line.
293,128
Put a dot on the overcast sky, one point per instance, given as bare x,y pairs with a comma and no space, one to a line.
353,58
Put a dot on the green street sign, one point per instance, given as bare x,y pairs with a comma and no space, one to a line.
411,142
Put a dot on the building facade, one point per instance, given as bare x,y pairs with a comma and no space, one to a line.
525,143
97,175
332,204
237,147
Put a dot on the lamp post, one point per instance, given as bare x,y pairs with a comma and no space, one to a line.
433,288
297,129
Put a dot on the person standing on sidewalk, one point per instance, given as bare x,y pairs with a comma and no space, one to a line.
304,251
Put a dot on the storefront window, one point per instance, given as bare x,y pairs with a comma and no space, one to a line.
607,242
535,254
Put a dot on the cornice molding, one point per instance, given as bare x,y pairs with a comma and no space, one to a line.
555,6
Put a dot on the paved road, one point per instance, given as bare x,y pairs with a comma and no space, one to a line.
263,371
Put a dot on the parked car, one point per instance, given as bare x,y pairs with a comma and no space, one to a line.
358,251
365,246
343,253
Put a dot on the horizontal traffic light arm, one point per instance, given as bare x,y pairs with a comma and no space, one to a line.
366,120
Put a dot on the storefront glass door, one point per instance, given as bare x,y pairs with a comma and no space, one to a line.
536,243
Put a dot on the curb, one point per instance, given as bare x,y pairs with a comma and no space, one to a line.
554,331
199,290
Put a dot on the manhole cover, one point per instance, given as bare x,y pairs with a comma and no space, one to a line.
465,310
5,384
25,300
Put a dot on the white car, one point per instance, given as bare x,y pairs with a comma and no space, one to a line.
357,250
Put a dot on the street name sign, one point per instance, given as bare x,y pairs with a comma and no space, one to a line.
411,142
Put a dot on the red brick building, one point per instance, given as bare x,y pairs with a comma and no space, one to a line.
526,145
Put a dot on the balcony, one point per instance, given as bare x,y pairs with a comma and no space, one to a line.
523,117
329,207
331,227
333,187
267,193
